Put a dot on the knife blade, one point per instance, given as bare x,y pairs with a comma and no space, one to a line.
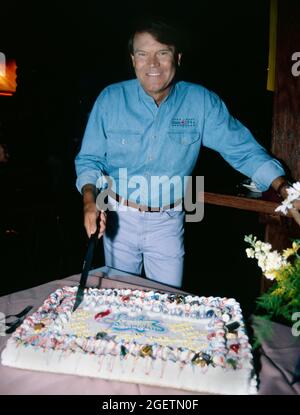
85,270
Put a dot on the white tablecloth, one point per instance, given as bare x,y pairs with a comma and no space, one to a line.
279,373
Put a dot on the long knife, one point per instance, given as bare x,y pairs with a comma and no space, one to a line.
86,268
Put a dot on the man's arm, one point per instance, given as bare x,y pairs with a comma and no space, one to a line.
239,148
90,164
280,184
236,144
90,212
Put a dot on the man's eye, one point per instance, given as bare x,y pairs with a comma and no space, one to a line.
164,52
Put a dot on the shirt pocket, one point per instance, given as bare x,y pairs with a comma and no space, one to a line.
124,149
184,138
183,150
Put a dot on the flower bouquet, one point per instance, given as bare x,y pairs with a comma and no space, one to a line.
282,300
275,326
276,323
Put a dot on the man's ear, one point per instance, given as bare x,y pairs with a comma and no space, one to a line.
132,60
179,59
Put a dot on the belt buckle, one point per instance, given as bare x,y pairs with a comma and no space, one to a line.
153,209
143,208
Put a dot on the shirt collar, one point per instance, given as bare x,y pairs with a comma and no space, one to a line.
147,99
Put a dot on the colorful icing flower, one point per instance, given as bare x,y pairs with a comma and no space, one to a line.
123,351
235,347
102,314
38,326
146,350
101,335
201,359
232,363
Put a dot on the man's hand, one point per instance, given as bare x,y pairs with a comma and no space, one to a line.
296,204
91,216
280,185
90,212
295,212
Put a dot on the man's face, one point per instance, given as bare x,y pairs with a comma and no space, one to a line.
154,64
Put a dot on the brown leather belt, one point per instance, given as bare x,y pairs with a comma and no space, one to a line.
142,208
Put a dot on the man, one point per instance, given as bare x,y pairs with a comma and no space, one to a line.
154,126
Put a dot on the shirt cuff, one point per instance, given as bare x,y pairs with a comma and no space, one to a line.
265,174
90,178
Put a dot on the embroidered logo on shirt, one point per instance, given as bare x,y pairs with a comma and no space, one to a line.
183,122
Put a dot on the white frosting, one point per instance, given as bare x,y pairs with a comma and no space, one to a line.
136,336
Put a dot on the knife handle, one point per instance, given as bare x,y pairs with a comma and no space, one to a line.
95,234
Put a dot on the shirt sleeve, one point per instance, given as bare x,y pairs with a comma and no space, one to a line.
237,146
90,163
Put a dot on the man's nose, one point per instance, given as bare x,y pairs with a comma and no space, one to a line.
153,60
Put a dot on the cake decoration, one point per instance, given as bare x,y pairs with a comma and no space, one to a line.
189,342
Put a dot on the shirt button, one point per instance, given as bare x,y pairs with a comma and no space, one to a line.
123,141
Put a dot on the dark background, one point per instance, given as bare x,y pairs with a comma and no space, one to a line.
66,53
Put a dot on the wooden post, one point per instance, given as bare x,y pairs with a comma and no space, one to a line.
286,115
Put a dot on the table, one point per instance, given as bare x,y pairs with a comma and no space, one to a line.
280,362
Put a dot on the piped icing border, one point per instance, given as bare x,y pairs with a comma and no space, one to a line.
228,344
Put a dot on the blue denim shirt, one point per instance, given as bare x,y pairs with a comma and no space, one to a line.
127,130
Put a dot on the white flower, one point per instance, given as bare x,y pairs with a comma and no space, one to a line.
269,261
293,194
261,264
274,261
296,186
266,247
270,275
263,247
250,253
284,207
